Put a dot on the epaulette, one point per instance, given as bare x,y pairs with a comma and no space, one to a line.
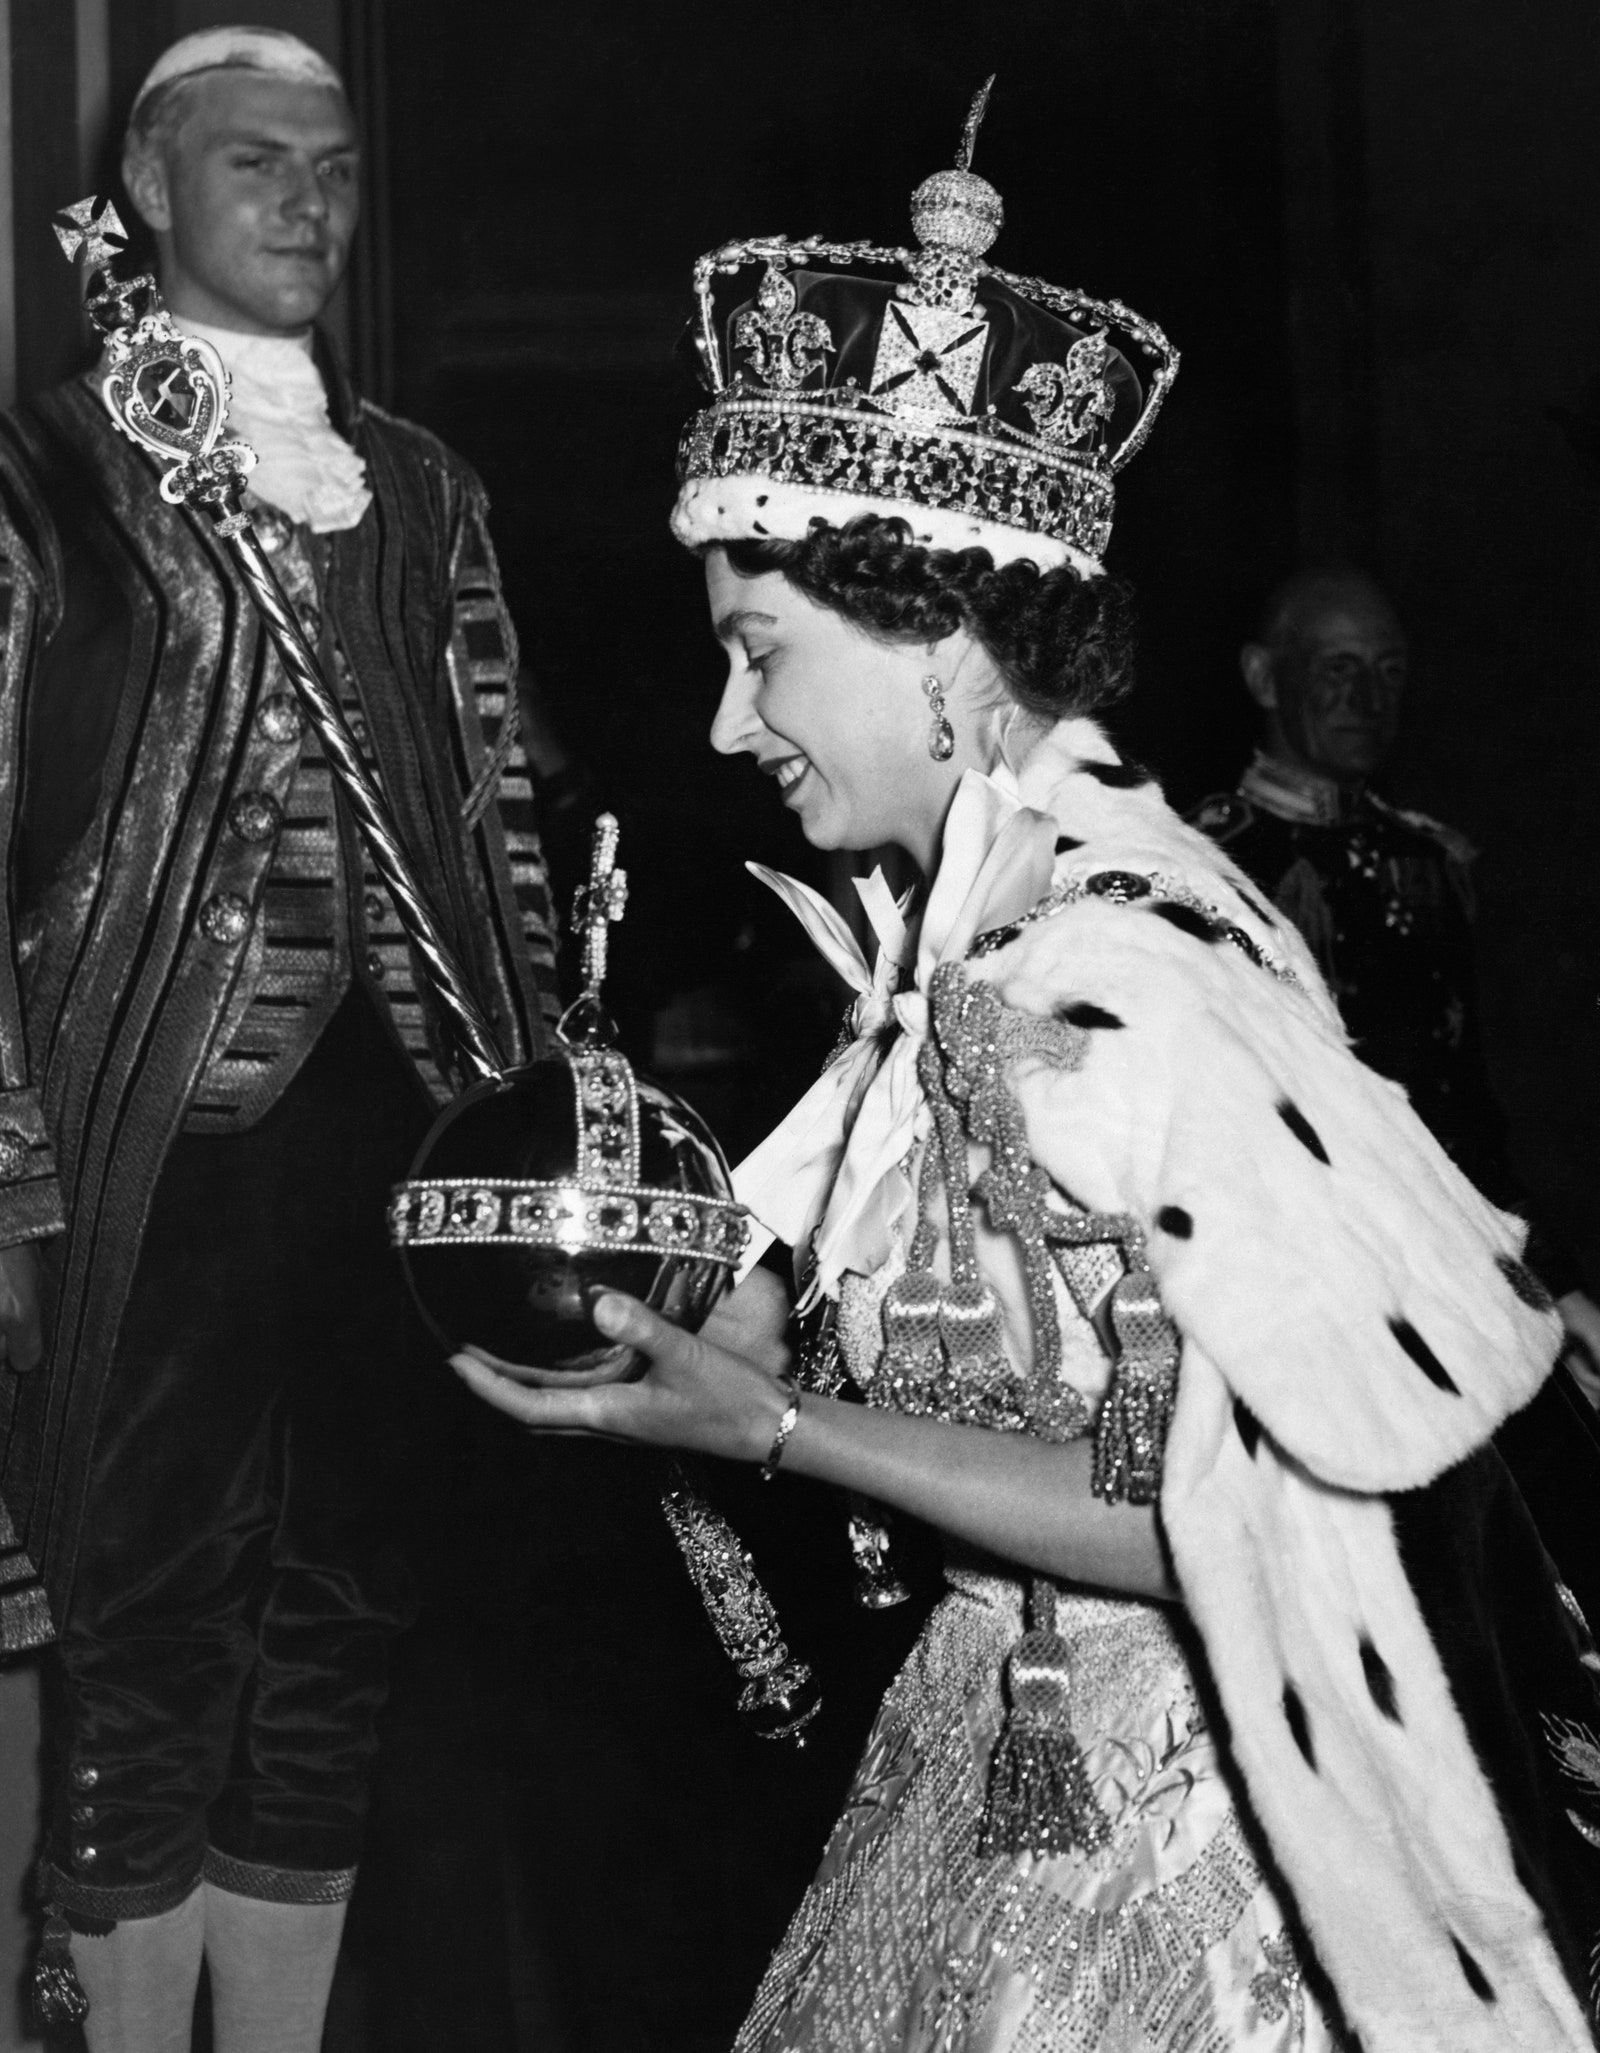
1457,848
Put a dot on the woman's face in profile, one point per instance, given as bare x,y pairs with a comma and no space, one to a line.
840,722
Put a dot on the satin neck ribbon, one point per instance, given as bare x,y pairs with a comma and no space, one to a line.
829,1176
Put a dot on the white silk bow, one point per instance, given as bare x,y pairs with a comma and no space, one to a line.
829,1176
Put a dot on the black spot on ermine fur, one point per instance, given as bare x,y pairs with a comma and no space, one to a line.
1120,776
1249,1426
1525,1283
1380,1683
1082,1012
1066,843
1423,1355
1188,921
1260,911
1302,1129
1299,1724
1175,1220
1477,1981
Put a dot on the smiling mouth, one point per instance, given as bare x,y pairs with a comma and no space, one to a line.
787,773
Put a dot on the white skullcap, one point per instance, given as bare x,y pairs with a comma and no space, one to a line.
272,51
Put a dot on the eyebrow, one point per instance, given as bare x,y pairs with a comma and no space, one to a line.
242,139
740,618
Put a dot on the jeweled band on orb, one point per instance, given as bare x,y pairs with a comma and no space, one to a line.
568,1216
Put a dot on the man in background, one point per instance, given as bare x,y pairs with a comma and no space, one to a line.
1384,897
214,1061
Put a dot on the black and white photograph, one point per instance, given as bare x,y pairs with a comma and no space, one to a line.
799,1026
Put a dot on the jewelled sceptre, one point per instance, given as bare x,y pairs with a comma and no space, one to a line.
540,1184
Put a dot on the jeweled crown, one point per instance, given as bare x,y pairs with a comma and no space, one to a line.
987,409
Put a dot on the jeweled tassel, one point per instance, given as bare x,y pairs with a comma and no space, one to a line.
1040,1799
58,1997
1131,1433
1130,1436
912,1357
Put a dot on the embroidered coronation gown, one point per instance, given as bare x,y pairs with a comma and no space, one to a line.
1168,1937
910,1939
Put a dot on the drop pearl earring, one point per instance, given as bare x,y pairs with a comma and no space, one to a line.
941,736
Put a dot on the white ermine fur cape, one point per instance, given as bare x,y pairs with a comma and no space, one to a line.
1351,1325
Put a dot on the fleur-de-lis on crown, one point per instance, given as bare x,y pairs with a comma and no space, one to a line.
1069,401
785,346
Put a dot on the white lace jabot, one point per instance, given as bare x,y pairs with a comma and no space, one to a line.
279,406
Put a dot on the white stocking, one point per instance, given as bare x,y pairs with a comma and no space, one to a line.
140,1981
271,1969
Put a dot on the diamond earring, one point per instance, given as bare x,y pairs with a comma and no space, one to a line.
941,736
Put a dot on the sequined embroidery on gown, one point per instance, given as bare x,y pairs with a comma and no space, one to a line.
1168,1940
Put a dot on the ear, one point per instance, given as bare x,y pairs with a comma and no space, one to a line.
1256,667
144,173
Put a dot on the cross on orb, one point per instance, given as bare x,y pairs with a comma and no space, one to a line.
599,903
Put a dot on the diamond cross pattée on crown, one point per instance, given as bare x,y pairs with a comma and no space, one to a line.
1069,401
785,346
928,360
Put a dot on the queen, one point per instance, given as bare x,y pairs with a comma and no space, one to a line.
1252,1716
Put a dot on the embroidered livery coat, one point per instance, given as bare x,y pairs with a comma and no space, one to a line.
131,730
1386,1675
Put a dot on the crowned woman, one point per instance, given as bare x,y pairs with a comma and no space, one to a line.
1253,1716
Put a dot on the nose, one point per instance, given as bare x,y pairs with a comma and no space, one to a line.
1367,691
737,723
304,198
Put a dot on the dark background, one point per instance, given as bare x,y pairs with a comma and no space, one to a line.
1374,232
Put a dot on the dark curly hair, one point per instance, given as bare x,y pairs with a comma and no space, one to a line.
1063,644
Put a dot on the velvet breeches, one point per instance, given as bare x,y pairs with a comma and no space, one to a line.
255,1498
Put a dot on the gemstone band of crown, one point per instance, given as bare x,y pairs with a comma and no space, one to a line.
985,408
